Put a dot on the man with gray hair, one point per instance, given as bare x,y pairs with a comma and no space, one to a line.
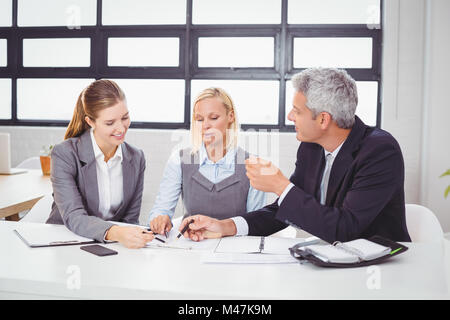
348,181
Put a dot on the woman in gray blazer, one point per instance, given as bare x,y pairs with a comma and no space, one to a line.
96,176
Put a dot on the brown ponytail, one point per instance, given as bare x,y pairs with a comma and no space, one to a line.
77,125
99,95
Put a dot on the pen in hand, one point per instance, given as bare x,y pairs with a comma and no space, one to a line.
156,238
184,229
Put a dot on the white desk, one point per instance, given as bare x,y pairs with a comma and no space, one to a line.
41,273
19,192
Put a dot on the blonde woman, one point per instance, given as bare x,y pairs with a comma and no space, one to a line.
210,176
96,176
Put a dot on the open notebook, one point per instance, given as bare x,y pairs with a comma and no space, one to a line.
348,252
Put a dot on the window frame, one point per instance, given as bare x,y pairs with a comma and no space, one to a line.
188,69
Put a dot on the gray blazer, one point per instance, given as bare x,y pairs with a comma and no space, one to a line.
75,187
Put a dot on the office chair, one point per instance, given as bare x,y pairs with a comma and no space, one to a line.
422,224
30,163
40,211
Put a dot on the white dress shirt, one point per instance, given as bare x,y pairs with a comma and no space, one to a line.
241,223
109,180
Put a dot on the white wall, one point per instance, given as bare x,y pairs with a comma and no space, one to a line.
402,82
416,110
416,53
436,133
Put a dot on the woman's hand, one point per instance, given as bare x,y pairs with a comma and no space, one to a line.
161,224
130,237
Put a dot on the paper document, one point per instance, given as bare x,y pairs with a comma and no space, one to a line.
251,244
182,243
43,235
255,250
244,258
245,244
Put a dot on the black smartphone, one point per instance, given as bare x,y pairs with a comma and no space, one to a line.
98,250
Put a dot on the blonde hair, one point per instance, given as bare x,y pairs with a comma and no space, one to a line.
231,134
99,95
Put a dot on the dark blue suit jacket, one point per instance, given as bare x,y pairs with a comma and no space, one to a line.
365,194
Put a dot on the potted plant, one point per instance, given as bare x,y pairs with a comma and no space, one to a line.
447,191
447,235
45,159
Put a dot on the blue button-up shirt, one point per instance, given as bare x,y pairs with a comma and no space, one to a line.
170,187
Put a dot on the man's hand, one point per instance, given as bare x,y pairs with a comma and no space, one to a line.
204,227
264,176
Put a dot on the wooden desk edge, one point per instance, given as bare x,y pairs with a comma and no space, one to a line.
12,212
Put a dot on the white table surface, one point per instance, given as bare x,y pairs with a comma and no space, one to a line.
41,273
23,188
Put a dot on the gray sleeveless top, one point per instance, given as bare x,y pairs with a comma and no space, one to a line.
225,199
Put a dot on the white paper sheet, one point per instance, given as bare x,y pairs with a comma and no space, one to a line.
251,244
182,243
248,258
245,244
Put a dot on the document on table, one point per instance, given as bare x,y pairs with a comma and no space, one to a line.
172,242
246,258
182,243
37,235
255,250
251,244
